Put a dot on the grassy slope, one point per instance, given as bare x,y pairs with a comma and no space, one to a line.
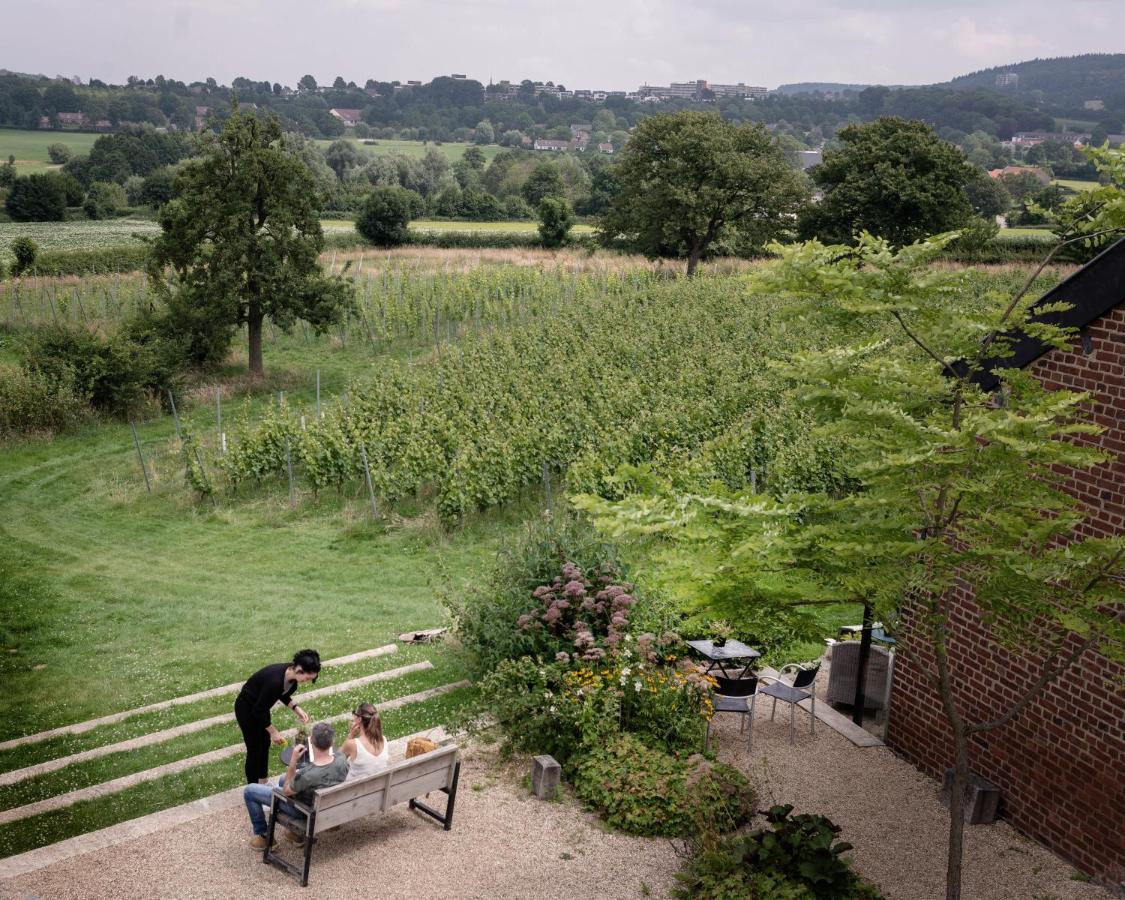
110,599
30,147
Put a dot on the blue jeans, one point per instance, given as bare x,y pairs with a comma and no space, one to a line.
256,795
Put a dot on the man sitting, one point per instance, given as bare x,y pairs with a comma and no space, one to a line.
325,769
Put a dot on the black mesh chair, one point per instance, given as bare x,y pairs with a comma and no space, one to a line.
793,692
734,695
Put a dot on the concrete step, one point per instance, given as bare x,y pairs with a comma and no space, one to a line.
90,724
107,788
53,765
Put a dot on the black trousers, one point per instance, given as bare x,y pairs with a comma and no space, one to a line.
257,741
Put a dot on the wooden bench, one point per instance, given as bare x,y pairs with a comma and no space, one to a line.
349,800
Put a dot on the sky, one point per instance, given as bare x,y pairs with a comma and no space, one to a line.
594,44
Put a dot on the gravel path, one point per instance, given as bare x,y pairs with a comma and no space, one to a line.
507,845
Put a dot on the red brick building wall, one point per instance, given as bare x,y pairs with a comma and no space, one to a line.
1061,764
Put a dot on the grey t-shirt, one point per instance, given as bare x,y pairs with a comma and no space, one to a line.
310,778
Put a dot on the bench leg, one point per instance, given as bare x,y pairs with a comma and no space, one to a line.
270,829
451,791
309,841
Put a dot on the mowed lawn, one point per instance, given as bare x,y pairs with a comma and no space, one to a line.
29,147
417,149
1076,185
111,598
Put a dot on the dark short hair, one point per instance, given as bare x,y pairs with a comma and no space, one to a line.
308,660
322,735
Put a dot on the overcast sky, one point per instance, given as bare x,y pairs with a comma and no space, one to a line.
608,44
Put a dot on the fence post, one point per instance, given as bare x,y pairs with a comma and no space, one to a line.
175,414
318,395
367,476
289,468
547,486
219,419
140,455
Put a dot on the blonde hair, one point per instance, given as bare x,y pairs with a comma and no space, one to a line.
372,725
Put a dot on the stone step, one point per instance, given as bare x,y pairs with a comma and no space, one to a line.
32,860
158,737
90,724
106,788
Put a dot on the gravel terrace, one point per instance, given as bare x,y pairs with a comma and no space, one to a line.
505,844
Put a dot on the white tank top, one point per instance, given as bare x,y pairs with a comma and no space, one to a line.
367,763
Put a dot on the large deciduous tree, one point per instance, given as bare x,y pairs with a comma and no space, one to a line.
241,241
893,178
689,180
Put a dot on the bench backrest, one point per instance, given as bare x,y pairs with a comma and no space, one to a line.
379,792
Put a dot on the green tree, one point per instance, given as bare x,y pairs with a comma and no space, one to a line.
957,493
242,239
37,198
59,153
25,251
555,221
473,157
987,196
485,133
104,199
343,155
893,178
8,172
688,179
386,215
544,181
307,83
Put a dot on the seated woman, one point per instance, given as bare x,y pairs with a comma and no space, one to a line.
365,747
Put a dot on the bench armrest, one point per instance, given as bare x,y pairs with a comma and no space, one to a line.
280,794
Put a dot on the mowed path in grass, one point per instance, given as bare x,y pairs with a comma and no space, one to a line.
111,599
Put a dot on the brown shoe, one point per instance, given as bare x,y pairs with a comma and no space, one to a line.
293,837
258,842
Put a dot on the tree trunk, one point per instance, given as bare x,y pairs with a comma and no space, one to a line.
693,260
254,328
957,814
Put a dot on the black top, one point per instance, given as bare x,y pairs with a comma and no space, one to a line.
263,689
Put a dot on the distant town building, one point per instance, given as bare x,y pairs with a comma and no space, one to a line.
1008,80
605,147
1093,104
1025,139
350,117
1040,175
457,77
698,89
73,119
809,158
551,145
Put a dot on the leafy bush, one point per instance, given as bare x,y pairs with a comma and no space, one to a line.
59,153
648,792
555,221
115,373
795,857
25,251
35,403
486,616
385,215
91,262
41,197
104,199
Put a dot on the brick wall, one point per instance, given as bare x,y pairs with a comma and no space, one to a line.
1061,764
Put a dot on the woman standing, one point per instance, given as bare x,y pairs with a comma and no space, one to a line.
252,707
365,748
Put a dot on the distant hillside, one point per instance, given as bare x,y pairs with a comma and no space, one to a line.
1062,84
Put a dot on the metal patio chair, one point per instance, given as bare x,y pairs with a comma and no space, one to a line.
738,696
793,692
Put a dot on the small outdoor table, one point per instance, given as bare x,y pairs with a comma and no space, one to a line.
730,652
286,754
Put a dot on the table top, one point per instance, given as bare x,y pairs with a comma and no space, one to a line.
730,650
287,754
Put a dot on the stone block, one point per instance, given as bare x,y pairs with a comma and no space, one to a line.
545,776
982,798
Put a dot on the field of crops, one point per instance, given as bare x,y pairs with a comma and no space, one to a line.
82,234
30,147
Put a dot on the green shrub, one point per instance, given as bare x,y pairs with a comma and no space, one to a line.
104,199
33,403
59,153
385,215
25,251
115,373
799,855
486,615
91,262
41,197
555,221
648,792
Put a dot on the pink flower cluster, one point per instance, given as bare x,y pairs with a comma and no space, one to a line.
590,612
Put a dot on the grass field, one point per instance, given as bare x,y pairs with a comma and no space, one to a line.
1075,184
524,226
418,149
1019,231
30,147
